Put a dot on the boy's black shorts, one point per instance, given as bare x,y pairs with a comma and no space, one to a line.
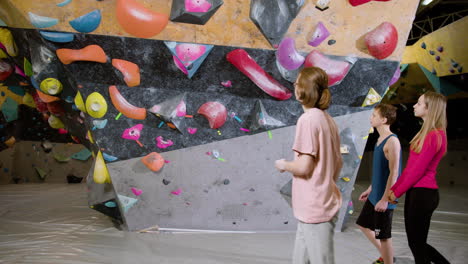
380,223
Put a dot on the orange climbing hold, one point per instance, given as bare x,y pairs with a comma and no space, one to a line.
88,53
124,106
153,161
138,20
47,98
130,71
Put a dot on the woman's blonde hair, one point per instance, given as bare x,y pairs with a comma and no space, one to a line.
312,88
436,119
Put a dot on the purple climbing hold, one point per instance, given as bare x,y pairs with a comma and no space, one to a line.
440,49
452,70
437,58
287,55
320,34
423,45
395,77
431,52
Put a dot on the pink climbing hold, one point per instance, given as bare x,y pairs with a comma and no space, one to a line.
161,143
395,76
215,112
197,6
320,34
382,41
177,192
181,109
227,83
360,2
335,69
248,66
288,56
188,53
132,133
192,130
62,131
180,65
136,191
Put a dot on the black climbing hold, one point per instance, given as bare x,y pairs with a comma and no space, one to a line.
226,182
166,182
233,223
286,222
252,190
460,69
331,42
437,58
431,52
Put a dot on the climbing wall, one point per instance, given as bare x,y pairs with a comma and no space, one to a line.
215,105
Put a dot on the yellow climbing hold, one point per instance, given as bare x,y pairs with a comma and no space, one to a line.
90,137
7,40
79,102
372,98
101,174
28,100
51,86
96,105
55,122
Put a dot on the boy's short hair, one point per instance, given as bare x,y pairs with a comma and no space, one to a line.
387,111
312,88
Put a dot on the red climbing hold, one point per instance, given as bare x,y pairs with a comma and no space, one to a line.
215,112
335,69
382,41
129,70
248,66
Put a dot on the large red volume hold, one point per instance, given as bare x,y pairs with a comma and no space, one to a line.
248,66
215,112
382,41
138,20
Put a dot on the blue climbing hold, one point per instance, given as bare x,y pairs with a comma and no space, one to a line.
431,52
88,22
110,204
460,69
423,45
109,158
42,21
58,37
3,93
64,3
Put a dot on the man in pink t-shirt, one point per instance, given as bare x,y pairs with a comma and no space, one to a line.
316,198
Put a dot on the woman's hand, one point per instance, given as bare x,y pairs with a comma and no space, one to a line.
280,165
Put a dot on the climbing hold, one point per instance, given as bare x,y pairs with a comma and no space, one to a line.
395,76
124,107
55,108
129,70
55,122
431,52
322,5
101,174
177,192
226,182
452,70
5,70
382,41
133,133
360,2
46,98
27,67
288,56
79,102
437,58
153,161
192,130
136,191
320,34
99,124
51,86
166,182
109,158
372,97
440,49
161,143
58,37
139,21
331,42
335,69
87,23
64,3
89,53
194,11
28,100
244,63
423,45
42,21
188,57
7,44
96,105
460,69
215,112
227,84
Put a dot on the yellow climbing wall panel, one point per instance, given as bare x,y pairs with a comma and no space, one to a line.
453,38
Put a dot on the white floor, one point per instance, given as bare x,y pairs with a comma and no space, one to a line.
51,223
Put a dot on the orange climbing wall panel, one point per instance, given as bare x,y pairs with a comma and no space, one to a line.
231,25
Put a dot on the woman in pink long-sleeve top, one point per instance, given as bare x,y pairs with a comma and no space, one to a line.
418,179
